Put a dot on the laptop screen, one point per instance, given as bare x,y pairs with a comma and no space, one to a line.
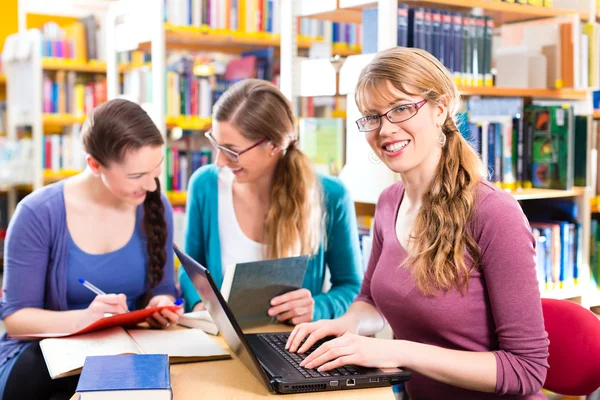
221,314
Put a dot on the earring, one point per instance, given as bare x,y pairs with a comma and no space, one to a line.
442,139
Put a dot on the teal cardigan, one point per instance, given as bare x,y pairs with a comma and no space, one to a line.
341,255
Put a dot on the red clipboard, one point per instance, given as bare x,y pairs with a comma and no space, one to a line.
126,319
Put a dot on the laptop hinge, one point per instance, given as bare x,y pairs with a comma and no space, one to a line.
272,376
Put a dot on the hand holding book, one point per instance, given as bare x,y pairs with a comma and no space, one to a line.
297,306
166,316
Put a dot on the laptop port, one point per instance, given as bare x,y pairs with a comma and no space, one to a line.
333,383
373,380
350,382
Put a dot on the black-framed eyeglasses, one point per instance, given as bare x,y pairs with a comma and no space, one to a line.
396,115
231,155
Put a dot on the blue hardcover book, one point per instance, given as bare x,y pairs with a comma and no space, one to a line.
126,376
402,25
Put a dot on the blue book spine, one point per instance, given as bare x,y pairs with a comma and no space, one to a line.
436,33
402,25
270,16
498,150
446,40
457,27
427,31
491,146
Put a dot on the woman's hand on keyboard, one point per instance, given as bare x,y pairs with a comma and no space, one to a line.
352,349
316,331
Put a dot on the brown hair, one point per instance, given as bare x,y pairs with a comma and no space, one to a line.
113,129
440,240
294,221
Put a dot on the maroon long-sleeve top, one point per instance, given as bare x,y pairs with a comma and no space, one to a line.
501,311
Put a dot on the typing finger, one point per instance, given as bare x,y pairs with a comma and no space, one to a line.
324,348
338,362
332,354
304,331
313,338
289,296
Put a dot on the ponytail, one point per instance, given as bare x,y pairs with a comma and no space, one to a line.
293,222
440,236
155,228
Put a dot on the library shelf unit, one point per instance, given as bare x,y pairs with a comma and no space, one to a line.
206,39
366,177
502,12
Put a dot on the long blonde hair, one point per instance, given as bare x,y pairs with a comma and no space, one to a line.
294,222
440,239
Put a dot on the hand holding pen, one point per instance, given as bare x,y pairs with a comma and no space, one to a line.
104,304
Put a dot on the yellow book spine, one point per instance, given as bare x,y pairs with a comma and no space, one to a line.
242,16
79,99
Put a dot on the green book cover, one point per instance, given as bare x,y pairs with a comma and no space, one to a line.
552,147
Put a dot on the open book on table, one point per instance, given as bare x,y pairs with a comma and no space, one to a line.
66,356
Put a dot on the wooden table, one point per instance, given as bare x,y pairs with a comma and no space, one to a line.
230,379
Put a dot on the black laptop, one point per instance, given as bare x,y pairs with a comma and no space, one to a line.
264,354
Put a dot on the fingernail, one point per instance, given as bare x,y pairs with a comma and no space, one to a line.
320,369
178,302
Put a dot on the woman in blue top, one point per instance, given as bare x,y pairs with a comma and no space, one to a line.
262,201
109,225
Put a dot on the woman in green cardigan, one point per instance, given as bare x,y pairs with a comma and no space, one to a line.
262,200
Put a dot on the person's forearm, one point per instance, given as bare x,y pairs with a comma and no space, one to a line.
466,369
365,317
35,320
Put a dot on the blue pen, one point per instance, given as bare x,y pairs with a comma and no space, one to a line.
93,288
178,302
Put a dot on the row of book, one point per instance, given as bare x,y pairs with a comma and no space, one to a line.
558,233
181,163
63,151
462,42
343,34
81,40
68,92
249,16
529,146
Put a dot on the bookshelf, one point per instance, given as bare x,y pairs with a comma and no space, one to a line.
205,39
366,177
502,12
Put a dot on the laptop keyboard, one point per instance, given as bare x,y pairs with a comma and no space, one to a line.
278,341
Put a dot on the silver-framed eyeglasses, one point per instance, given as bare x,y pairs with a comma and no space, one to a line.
396,115
231,155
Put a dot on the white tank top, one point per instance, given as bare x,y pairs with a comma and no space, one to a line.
236,247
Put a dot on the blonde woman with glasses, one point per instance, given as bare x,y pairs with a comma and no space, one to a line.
262,200
452,268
